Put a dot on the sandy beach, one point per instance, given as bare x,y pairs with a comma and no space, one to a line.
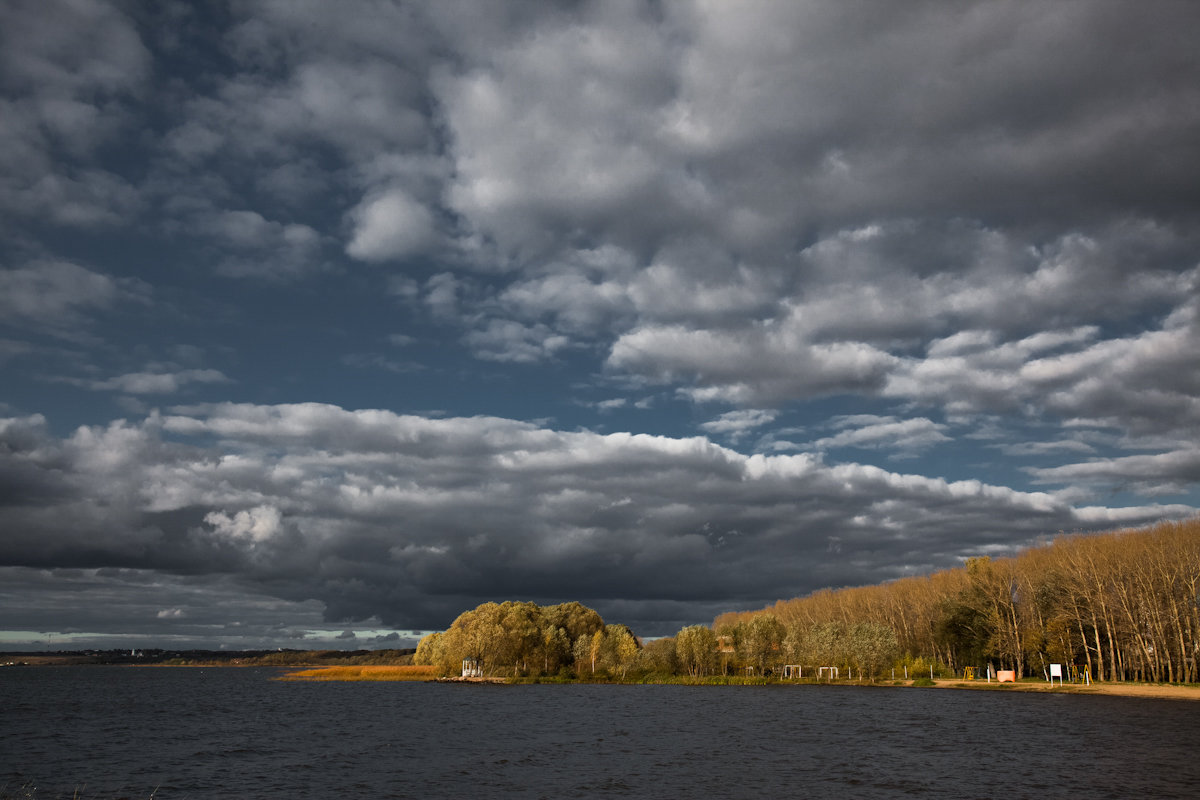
1164,691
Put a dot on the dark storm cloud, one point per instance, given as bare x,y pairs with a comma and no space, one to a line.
519,132
408,518
114,607
764,122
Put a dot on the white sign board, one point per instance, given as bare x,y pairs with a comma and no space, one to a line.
1056,670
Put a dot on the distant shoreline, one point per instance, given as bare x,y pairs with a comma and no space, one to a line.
341,673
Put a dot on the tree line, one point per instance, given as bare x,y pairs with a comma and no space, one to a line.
761,645
571,641
1125,605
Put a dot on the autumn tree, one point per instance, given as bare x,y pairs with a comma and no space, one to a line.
824,645
429,650
620,649
1125,604
696,648
872,646
512,638
760,642
659,656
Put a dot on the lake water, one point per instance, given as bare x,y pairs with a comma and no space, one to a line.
219,733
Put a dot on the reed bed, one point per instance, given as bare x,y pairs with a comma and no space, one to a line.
363,673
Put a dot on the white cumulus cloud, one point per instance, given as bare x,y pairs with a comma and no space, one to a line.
390,225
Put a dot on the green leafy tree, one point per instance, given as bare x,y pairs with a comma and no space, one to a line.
574,618
696,648
658,656
595,648
556,648
873,647
522,637
429,650
620,648
824,646
513,638
793,644
761,641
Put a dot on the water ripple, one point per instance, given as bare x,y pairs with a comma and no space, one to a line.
218,733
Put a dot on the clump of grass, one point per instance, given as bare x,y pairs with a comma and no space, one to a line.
363,673
924,682
25,792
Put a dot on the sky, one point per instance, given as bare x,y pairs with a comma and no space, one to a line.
321,323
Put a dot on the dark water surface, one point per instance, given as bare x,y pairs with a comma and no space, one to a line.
216,733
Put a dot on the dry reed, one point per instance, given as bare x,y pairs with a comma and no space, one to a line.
363,673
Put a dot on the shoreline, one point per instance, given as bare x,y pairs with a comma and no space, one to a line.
1143,690
1159,691
342,673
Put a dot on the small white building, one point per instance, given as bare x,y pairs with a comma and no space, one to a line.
472,668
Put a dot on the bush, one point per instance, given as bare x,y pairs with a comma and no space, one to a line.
923,682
